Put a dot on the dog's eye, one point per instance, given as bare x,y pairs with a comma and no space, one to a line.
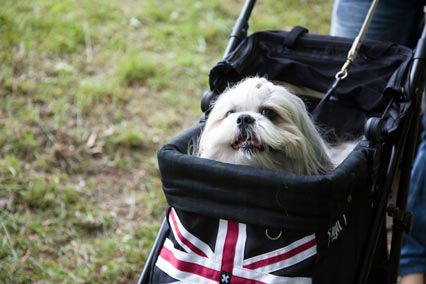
269,113
229,112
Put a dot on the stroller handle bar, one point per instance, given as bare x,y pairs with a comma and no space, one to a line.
417,74
239,31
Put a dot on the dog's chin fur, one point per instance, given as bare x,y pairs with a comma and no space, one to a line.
280,135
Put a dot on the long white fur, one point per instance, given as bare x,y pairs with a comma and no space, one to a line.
292,143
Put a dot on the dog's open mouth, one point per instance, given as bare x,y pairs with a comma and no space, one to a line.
248,144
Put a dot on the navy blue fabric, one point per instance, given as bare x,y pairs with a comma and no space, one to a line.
413,253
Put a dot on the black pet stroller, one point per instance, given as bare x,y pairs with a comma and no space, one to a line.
237,224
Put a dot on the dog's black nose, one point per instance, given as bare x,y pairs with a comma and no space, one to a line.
244,120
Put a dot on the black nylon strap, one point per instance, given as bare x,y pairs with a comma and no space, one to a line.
294,34
316,112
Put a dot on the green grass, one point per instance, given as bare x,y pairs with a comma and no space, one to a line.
88,92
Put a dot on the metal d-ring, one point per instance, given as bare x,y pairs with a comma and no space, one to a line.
273,238
342,74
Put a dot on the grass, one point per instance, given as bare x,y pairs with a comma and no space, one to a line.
88,91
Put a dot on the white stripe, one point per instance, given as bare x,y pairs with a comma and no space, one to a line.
220,240
269,278
288,262
190,237
192,258
192,278
241,244
185,277
259,274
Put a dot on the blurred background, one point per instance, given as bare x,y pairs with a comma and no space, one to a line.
89,90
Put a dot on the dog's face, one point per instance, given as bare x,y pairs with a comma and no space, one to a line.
260,124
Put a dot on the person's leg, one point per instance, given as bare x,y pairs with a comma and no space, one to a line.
415,278
393,20
413,253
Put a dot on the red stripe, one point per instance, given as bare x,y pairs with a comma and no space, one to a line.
189,267
190,245
229,247
281,257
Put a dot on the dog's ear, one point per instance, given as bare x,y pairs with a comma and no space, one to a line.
316,157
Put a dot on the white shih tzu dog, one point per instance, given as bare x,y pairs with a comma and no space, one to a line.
258,123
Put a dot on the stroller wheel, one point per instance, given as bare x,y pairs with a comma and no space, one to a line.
374,129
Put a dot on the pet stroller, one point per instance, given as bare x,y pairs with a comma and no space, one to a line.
237,224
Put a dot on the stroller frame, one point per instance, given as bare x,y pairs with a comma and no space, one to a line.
402,156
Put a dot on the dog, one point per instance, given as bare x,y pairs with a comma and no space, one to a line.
261,124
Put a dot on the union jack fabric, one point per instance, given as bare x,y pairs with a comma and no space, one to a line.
229,256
